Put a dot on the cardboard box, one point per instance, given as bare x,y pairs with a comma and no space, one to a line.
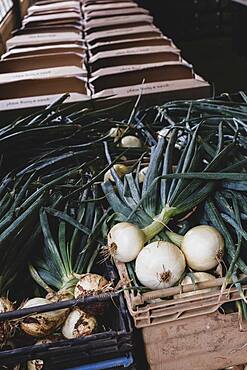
126,76
102,24
44,39
123,34
38,74
114,13
153,92
43,50
132,56
125,44
32,93
30,63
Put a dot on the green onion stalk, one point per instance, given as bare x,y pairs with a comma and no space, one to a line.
176,181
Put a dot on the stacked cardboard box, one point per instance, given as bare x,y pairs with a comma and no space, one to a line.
128,55
45,58
96,50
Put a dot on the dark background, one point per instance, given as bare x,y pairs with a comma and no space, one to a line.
211,35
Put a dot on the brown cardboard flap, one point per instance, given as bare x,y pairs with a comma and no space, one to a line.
43,50
73,16
50,86
132,56
57,11
37,74
41,61
54,5
135,76
49,29
123,34
114,13
43,39
125,44
121,21
166,90
39,101
115,5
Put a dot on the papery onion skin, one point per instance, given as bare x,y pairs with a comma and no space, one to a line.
42,324
6,328
38,364
121,170
199,277
125,241
159,265
130,142
203,247
78,324
93,284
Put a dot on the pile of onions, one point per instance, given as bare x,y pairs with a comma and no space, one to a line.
130,142
159,265
121,170
42,324
78,324
203,247
198,277
125,241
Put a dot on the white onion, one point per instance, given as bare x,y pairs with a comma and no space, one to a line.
35,364
78,324
44,323
199,277
38,364
203,247
125,241
121,170
142,174
90,284
116,132
159,265
130,142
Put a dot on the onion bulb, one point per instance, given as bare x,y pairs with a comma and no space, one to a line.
203,247
116,132
121,170
92,284
6,329
42,324
142,174
125,241
78,324
199,277
159,265
130,142
38,364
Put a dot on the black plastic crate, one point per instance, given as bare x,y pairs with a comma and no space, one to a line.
114,341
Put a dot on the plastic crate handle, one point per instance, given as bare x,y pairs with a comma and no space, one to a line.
124,361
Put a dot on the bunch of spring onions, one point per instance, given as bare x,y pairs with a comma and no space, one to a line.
202,153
